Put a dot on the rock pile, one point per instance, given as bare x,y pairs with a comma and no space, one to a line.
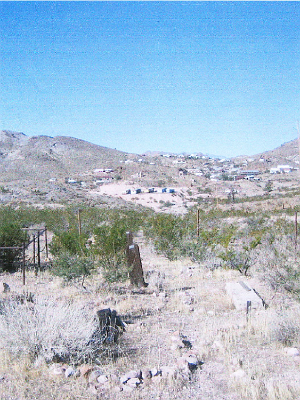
99,381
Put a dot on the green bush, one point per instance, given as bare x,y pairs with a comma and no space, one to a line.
167,232
11,235
70,242
72,267
109,248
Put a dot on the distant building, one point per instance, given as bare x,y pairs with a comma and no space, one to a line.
284,168
249,173
274,170
281,169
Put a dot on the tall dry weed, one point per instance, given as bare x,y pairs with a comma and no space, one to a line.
49,329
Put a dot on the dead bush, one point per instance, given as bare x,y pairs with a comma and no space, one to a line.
51,329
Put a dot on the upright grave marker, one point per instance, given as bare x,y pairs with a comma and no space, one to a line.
134,263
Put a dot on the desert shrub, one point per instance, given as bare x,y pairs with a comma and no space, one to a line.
287,332
70,242
109,247
72,267
268,186
11,235
49,329
284,327
167,232
278,263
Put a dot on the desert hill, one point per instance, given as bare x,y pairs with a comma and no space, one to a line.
44,169
44,156
287,152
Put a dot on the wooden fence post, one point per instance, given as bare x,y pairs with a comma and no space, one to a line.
296,228
39,251
79,221
34,254
198,222
23,264
46,242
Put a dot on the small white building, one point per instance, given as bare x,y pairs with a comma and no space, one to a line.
284,169
281,169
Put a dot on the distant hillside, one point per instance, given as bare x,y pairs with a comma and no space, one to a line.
286,153
44,156
56,170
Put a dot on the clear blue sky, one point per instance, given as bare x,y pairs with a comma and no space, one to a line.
215,77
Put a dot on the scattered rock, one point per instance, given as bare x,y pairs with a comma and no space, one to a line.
6,288
127,389
292,351
133,382
70,371
146,374
93,376
117,389
85,370
238,374
130,375
57,369
155,372
179,341
187,344
193,362
102,379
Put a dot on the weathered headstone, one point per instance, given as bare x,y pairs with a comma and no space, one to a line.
134,263
110,324
243,296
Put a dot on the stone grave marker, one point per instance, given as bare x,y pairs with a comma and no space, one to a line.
134,263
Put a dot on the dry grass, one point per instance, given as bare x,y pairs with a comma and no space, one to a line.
182,298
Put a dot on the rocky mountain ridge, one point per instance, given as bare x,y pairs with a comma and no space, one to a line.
44,156
63,169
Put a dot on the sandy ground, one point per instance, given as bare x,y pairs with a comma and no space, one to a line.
184,196
174,202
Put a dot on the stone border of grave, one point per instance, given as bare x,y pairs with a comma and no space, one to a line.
99,381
